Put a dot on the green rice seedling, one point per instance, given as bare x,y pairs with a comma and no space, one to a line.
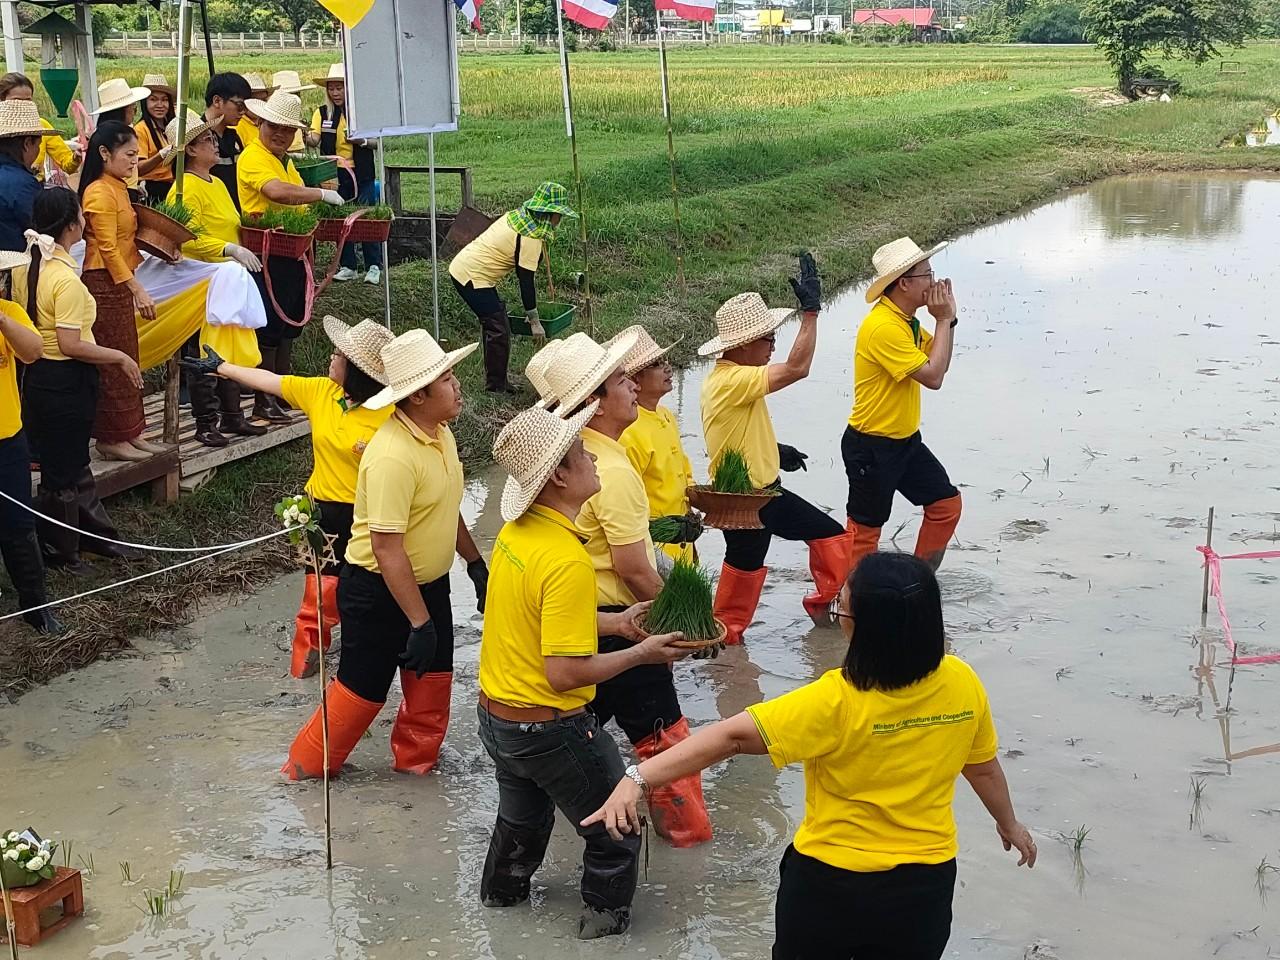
1195,820
155,903
732,475
174,210
1261,881
67,847
684,604
175,883
297,222
1075,843
324,211
86,864
126,874
664,529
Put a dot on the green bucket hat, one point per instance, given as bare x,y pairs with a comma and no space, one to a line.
551,198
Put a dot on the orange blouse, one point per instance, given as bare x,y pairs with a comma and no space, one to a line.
148,148
110,226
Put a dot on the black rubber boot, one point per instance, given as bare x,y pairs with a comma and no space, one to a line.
94,521
496,339
26,570
595,923
204,409
60,545
265,406
232,420
610,869
514,857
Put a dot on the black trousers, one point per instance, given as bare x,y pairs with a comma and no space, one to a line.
289,282
374,631
59,400
642,700
335,519
495,330
365,194
787,516
157,190
877,467
15,481
825,913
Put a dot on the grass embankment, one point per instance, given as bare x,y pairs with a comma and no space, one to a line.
837,149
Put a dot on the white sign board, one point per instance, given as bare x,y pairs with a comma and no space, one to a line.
402,70
823,23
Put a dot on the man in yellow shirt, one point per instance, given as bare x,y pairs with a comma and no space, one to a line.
881,447
393,591
539,667
736,417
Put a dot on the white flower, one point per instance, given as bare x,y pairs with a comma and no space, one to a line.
3,843
14,837
304,518
24,848
11,855
36,864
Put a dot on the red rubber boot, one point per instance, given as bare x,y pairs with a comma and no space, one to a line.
421,721
737,595
829,563
678,809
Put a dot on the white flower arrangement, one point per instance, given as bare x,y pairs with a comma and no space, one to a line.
26,858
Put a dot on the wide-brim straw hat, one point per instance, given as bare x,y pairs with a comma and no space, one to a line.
893,260
117,93
361,344
645,353
581,365
257,83
536,371
196,126
281,108
530,448
413,361
337,74
12,259
744,319
156,83
20,118
290,82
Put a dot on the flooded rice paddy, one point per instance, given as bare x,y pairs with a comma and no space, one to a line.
1117,372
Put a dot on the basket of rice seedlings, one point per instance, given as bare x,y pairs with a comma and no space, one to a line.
731,501
315,169
163,228
372,225
279,233
684,605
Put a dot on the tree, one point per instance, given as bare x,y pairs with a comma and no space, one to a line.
1125,30
299,13
1053,23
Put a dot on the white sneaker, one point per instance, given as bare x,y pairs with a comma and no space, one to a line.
345,274
373,275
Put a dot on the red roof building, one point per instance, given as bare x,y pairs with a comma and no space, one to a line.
921,19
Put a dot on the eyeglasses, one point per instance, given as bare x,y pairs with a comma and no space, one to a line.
909,276
835,614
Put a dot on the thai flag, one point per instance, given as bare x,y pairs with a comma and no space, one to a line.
690,9
471,10
594,14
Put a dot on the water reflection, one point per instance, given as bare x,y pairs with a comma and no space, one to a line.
1264,133
1168,207
1205,672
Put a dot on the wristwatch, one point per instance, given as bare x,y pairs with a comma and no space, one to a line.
633,773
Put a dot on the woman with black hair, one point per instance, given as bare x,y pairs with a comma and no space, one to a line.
340,430
60,390
154,172
872,868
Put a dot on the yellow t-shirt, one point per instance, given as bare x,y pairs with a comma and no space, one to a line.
886,400
257,167
343,149
10,405
617,515
339,434
147,148
215,215
538,577
487,259
735,415
61,301
654,449
247,129
408,483
880,767
55,149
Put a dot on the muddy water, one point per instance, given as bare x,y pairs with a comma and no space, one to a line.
1116,373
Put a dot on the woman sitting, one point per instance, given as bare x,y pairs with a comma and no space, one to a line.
872,869
154,172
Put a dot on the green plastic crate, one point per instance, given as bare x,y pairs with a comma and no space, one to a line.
554,317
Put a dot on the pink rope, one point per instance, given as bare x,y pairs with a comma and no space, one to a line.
1214,561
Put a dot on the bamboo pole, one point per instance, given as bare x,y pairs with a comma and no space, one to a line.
1204,598
671,160
435,258
173,373
11,928
577,171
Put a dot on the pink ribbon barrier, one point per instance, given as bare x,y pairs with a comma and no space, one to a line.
1214,562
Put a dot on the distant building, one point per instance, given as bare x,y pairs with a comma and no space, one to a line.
921,20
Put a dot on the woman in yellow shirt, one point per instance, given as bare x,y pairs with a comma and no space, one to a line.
17,86
153,168
341,427
872,868
60,390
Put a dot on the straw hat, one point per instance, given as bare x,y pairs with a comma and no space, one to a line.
361,344
20,118
256,83
412,361
893,260
645,353
337,74
289,81
196,125
117,93
741,320
282,108
530,448
536,371
12,259
581,365
156,83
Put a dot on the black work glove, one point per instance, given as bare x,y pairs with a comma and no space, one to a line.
419,649
478,571
202,367
708,653
808,286
685,529
790,459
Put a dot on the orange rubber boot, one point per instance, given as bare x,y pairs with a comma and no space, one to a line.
829,563
865,540
349,718
737,595
421,721
329,606
678,809
306,650
940,521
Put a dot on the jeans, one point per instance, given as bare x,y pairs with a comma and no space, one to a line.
570,763
787,516
642,700
877,467
366,196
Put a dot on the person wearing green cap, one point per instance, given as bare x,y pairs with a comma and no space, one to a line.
513,242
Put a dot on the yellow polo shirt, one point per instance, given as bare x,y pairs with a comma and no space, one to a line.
257,167
490,257
340,434
62,301
886,400
213,213
735,415
880,767
247,130
654,449
10,405
539,576
408,483
618,515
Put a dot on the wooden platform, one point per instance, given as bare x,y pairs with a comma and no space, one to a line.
165,471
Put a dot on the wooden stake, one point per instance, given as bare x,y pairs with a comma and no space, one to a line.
324,707
1204,599
671,161
577,171
11,928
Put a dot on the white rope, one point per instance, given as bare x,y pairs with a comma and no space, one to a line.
144,576
126,543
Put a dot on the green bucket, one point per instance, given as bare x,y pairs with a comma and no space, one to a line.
60,83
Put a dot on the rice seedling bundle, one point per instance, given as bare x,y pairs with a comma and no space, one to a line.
685,604
731,474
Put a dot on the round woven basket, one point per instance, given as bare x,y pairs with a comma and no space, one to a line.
729,511
160,235
721,632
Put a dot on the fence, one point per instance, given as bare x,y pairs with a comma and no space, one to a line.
166,44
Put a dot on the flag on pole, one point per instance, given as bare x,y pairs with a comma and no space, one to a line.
690,9
594,14
350,12
471,10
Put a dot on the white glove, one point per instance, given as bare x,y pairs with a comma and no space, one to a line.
166,152
246,258
332,196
